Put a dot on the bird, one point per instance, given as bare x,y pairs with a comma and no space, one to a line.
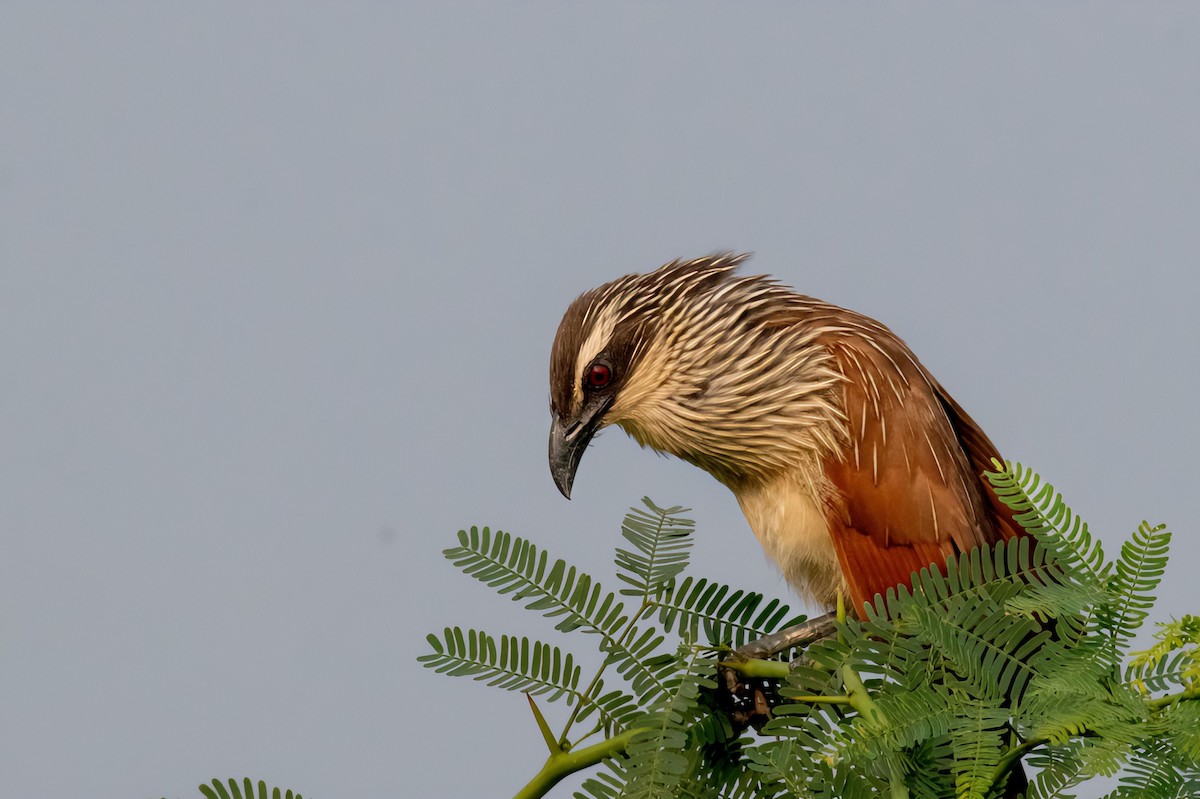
853,465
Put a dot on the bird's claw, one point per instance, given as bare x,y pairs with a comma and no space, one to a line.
748,700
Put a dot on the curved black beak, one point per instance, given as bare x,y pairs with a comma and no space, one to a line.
567,445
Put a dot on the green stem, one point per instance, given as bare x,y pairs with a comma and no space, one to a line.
860,699
896,778
1010,758
561,764
822,700
761,669
1164,701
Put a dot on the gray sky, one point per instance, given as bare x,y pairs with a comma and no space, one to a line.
278,284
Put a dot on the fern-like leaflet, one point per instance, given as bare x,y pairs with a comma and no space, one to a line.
1139,570
978,729
512,565
705,610
1173,660
1011,651
1040,509
515,664
661,539
246,790
658,760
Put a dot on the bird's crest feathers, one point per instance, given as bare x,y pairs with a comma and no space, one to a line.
719,369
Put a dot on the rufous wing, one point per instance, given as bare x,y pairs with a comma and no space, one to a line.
908,491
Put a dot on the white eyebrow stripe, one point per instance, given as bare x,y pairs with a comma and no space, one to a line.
595,343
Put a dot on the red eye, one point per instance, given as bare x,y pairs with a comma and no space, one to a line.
598,375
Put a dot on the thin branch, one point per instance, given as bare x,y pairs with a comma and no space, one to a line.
1010,758
799,635
1182,696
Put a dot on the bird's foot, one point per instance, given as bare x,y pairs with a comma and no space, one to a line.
748,700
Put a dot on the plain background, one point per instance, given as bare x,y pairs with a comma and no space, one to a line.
278,284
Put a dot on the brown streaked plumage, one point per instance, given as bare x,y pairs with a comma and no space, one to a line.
852,464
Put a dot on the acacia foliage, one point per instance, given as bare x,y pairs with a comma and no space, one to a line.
1020,650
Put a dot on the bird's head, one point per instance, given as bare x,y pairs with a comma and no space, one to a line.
691,360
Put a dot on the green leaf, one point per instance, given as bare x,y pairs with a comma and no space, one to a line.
1138,572
727,617
1013,645
1040,509
514,566
978,734
217,790
514,664
662,539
